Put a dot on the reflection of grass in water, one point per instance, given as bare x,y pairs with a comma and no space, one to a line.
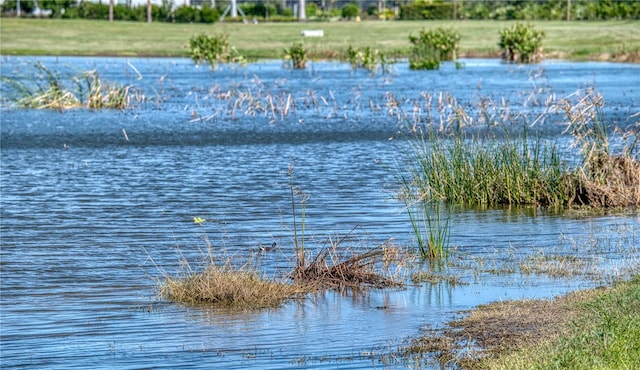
602,254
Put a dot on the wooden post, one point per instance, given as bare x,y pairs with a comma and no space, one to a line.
148,11
110,10
568,10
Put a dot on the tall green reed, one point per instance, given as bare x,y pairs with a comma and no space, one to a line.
487,172
298,235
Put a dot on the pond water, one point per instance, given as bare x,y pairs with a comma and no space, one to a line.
97,205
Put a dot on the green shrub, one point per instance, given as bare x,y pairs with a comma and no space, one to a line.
186,14
296,55
369,59
209,15
213,49
350,11
418,11
521,43
430,47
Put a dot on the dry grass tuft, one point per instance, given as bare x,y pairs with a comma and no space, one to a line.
499,327
227,287
609,181
336,268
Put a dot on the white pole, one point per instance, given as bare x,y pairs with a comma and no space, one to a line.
234,9
302,12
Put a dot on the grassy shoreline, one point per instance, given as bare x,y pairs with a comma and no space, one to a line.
606,40
593,328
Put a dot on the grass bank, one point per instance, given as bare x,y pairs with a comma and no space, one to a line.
597,328
606,40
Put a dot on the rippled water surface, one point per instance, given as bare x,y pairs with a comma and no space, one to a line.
98,205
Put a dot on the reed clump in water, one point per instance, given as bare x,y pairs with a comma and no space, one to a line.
243,288
336,268
522,171
605,179
225,286
488,172
51,92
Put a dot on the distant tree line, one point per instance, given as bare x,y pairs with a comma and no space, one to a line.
522,9
273,10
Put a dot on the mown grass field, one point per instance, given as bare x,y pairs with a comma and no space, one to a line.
606,40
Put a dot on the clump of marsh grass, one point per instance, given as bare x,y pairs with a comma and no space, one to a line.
604,179
485,172
338,268
229,287
430,224
222,284
50,91
446,165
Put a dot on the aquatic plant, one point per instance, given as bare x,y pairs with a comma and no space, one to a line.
296,56
429,223
336,267
521,43
226,286
370,59
604,179
298,235
446,165
487,172
432,46
221,283
49,91
213,50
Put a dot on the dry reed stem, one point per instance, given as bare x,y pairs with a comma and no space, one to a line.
608,181
335,269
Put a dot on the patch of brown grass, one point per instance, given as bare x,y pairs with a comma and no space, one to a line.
609,181
227,287
339,268
500,327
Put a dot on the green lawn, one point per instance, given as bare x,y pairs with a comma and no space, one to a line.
578,40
